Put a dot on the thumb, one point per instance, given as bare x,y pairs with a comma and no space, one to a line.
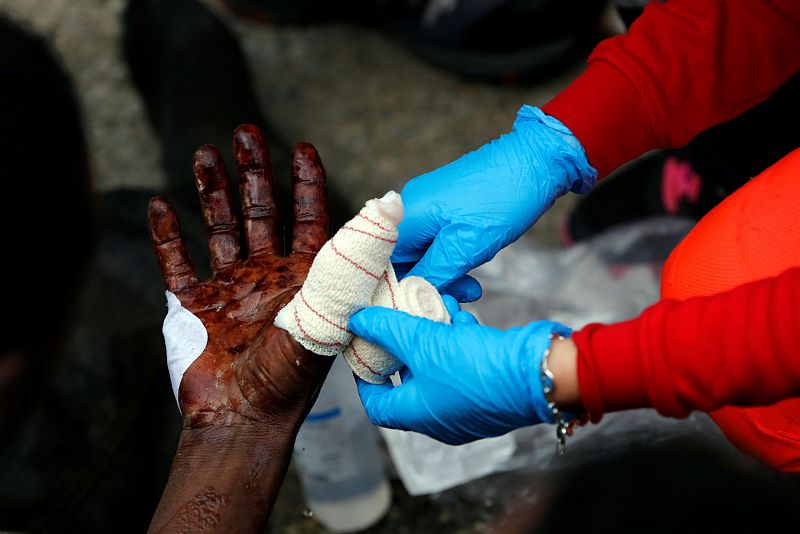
456,250
386,405
464,317
392,330
464,289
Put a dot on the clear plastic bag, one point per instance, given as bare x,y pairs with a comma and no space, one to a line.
607,279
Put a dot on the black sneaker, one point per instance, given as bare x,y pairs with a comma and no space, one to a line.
498,40
663,183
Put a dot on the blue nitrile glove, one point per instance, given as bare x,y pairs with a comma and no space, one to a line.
463,381
459,216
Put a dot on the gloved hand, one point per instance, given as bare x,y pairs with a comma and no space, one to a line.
463,381
459,216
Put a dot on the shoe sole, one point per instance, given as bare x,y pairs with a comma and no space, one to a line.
505,66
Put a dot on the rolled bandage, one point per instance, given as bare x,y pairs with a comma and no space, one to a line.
413,295
343,278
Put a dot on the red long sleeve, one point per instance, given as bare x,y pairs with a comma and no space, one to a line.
684,66
741,347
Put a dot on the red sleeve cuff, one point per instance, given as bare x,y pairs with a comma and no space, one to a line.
610,373
604,111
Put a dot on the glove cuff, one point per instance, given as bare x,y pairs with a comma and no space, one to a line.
561,149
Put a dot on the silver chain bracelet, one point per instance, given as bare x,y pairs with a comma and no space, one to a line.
564,427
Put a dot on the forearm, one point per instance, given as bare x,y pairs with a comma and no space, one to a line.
739,348
683,67
226,479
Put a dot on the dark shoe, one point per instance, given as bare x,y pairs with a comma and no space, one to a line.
498,40
494,40
663,183
193,78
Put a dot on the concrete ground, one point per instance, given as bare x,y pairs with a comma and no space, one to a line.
377,114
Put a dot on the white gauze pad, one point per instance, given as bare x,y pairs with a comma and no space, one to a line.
185,338
343,278
413,295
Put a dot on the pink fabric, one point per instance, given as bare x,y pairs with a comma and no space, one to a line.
679,182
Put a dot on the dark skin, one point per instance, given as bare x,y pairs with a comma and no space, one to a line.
245,397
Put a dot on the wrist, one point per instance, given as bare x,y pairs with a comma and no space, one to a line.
232,434
541,337
563,363
554,145
225,478
567,384
228,456
245,419
232,439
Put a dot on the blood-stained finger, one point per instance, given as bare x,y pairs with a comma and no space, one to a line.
312,224
174,260
222,227
261,218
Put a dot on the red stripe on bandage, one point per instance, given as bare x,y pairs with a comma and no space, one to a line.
318,314
363,363
309,336
391,291
357,266
369,234
379,225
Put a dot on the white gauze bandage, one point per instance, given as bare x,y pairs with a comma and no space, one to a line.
343,277
350,272
185,338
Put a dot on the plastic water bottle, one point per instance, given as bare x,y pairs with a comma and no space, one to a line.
337,456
